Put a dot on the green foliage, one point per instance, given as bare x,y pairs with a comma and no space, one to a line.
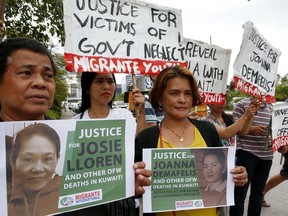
39,19
55,111
61,92
281,91
119,97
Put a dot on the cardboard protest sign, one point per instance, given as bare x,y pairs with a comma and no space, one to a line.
209,64
181,179
120,36
255,68
279,125
67,164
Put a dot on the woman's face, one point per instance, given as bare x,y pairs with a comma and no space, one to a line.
212,169
35,163
218,108
177,98
102,89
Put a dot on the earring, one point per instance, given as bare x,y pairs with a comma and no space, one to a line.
160,108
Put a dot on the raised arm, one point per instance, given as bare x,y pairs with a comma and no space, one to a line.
243,124
240,126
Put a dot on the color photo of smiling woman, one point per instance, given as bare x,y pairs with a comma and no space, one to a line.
215,174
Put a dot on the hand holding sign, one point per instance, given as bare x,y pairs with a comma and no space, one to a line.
142,176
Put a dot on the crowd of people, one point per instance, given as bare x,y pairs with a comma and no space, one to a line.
27,88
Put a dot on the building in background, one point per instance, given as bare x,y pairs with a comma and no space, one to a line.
144,83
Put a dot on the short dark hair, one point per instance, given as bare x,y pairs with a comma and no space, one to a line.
162,80
31,130
86,81
9,46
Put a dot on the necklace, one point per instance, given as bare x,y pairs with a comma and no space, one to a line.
180,136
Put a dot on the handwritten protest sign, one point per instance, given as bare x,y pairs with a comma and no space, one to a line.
120,36
255,68
180,180
93,165
279,125
209,64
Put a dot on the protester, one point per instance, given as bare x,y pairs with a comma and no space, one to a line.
225,125
214,170
152,116
27,88
27,83
35,182
255,153
276,179
175,91
98,92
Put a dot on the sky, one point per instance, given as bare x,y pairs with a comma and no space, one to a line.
223,21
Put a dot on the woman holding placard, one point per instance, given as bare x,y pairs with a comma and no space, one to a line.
175,91
98,92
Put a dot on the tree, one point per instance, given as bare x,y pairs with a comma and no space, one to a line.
281,91
61,87
39,19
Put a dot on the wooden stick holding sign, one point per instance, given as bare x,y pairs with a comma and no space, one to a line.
268,135
137,113
281,159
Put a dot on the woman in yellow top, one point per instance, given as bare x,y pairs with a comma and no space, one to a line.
175,92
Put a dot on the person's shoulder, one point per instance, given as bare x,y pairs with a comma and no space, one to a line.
81,115
148,137
208,117
202,123
244,101
242,104
150,131
148,104
77,116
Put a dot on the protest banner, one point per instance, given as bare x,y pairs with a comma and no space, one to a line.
209,64
255,67
121,36
181,179
279,125
93,164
